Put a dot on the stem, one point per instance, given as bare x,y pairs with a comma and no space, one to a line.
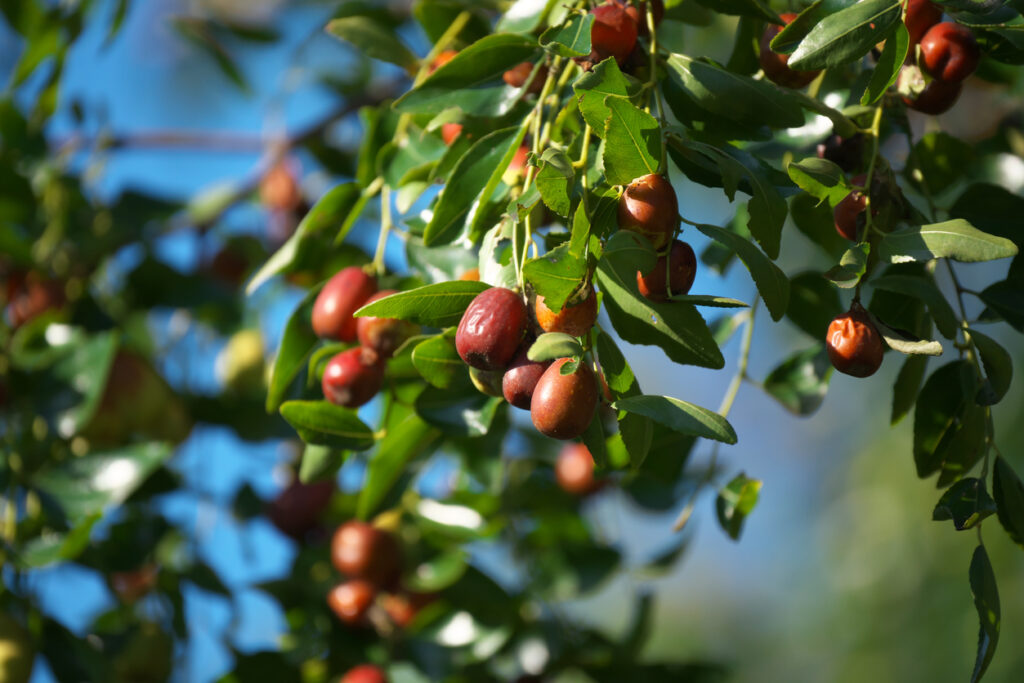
876,125
653,81
385,229
741,367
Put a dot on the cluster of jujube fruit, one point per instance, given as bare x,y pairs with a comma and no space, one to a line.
354,376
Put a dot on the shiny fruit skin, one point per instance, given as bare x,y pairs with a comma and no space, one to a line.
949,52
575,320
613,33
520,380
854,345
574,470
846,153
921,16
402,608
491,329
364,673
297,510
563,405
384,335
363,551
16,651
450,131
352,378
848,211
776,66
344,294
518,75
350,600
937,97
649,206
683,267
279,190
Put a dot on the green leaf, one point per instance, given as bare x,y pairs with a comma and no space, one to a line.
524,16
571,39
801,381
438,362
459,203
745,8
998,365
949,428
402,443
966,503
438,305
986,601
1009,493
594,89
847,35
680,416
735,96
319,463
938,161
471,81
555,180
851,267
887,70
297,344
554,345
636,430
990,208
821,179
955,239
677,328
772,283
908,383
735,502
813,303
457,412
51,548
324,424
556,275
199,33
632,142
791,35
710,301
924,289
87,485
86,369
437,573
374,40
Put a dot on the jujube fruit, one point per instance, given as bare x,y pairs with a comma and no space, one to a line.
613,33
32,298
949,52
402,608
363,551
132,585
681,268
342,295
638,13
472,275
937,97
297,510
846,153
442,58
574,319
776,66
520,73
450,131
279,189
384,335
921,16
649,206
491,329
854,345
574,470
351,600
563,405
521,379
848,211
364,673
352,378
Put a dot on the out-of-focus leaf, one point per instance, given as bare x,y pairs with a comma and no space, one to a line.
735,502
324,424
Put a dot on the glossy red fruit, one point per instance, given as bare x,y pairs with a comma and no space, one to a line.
682,266
854,345
949,52
613,33
279,187
776,66
848,211
363,551
574,470
937,98
384,335
846,153
297,510
520,73
921,16
637,11
521,379
649,206
491,329
32,298
450,131
343,295
350,600
352,378
574,320
563,405
402,608
364,673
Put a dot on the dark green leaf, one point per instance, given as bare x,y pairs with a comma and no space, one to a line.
986,601
571,39
710,301
998,365
847,35
956,239
555,180
680,416
440,305
813,303
297,345
373,39
437,573
1009,494
801,381
908,383
889,64
922,288
632,142
457,412
949,428
772,283
438,362
319,463
594,89
402,443
821,179
851,266
325,424
635,430
556,275
735,502
939,160
966,503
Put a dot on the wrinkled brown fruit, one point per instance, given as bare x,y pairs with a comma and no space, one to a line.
563,405
521,379
342,295
574,320
384,335
682,268
854,345
649,206
352,378
363,551
351,600
491,329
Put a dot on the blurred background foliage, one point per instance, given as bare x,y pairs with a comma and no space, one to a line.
133,140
